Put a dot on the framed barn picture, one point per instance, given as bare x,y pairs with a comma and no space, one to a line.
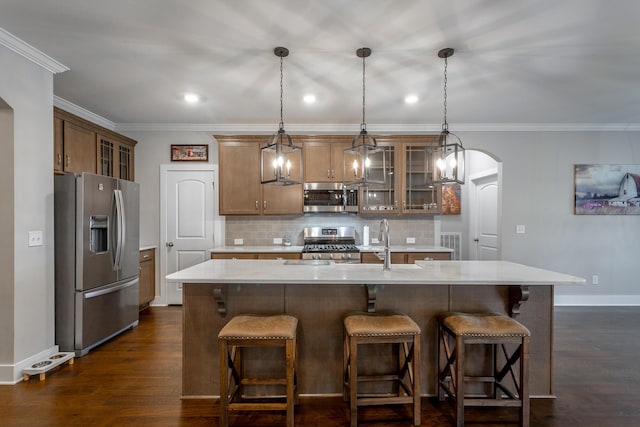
189,153
607,189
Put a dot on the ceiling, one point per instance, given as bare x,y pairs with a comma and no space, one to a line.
516,62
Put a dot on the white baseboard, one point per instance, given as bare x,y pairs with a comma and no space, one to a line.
12,374
597,300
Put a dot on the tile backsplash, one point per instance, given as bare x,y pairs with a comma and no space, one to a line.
261,230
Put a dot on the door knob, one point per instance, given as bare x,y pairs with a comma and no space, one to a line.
169,244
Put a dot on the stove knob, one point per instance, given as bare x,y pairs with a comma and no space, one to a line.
347,256
314,256
330,256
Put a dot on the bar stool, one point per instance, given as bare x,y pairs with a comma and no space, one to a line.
455,330
257,331
380,328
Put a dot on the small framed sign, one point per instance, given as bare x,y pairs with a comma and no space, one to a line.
189,153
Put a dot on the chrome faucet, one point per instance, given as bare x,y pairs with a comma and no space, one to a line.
384,237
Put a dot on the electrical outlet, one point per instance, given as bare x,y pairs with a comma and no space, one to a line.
594,279
35,238
277,240
238,241
374,240
411,240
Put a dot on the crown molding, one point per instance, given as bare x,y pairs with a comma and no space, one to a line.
29,52
339,128
248,129
72,108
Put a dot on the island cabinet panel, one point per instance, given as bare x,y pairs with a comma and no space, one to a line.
321,309
537,316
201,324
241,192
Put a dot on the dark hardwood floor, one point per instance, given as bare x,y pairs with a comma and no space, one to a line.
134,379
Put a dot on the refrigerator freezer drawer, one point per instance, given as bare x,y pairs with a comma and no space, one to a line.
103,313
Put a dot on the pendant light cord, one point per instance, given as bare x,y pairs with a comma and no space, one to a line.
281,91
363,126
445,125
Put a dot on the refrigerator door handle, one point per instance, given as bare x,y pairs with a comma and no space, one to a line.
100,292
120,229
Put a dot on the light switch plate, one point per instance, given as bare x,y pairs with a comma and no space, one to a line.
35,238
238,241
411,240
520,229
277,240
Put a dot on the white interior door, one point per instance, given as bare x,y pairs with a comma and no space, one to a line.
189,222
484,217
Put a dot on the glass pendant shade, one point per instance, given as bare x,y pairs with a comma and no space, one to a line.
445,163
364,162
281,161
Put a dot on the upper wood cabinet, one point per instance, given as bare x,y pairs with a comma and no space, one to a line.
241,192
383,198
416,198
82,146
324,159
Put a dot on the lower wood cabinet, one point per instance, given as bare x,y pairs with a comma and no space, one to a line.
261,255
147,277
406,257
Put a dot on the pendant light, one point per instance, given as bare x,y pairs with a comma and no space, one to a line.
281,160
445,163
359,159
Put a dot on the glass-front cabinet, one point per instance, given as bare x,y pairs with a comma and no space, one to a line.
375,198
416,197
114,158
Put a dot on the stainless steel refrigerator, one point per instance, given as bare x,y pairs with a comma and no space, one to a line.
97,260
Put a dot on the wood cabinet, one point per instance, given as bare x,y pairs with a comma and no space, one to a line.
324,158
241,192
259,255
82,146
406,257
114,157
417,198
147,277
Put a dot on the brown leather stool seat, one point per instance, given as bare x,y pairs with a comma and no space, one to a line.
381,328
508,387
257,331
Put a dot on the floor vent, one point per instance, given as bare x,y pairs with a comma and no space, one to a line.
452,240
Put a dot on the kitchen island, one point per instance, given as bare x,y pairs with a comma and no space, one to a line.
321,293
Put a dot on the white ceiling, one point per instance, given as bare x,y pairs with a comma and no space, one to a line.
516,62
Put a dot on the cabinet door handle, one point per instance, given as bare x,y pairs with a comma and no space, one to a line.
59,159
68,160
328,173
257,206
264,204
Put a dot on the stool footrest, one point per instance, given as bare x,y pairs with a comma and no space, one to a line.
383,400
263,381
257,406
491,402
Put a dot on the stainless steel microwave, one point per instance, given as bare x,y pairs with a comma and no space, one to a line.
329,197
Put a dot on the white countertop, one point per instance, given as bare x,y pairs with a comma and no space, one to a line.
423,272
407,248
144,248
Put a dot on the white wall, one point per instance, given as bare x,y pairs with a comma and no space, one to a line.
27,88
538,192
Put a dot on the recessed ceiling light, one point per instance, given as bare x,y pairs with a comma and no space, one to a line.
411,99
191,98
309,99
